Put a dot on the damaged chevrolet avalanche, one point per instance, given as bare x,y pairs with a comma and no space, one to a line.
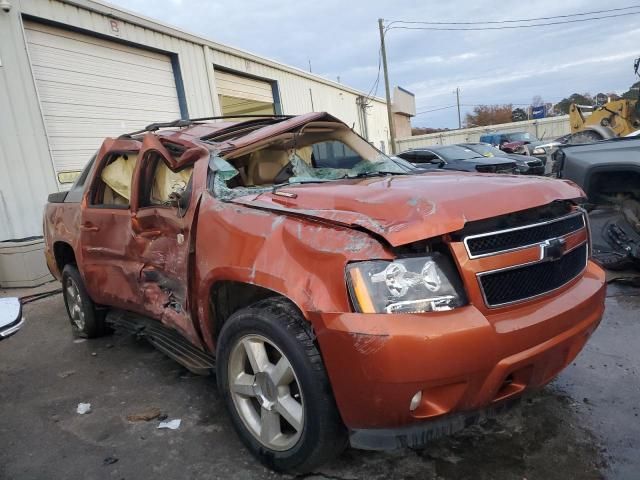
339,297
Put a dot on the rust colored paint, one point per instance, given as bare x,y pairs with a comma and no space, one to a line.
153,261
404,210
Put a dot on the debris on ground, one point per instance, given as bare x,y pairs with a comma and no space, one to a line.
171,424
83,408
110,460
145,416
66,373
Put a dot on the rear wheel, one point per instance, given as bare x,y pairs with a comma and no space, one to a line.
86,320
276,389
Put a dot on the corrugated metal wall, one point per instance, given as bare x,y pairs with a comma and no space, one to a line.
301,94
26,171
190,55
545,128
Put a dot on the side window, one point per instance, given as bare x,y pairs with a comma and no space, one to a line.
334,154
160,185
77,189
426,157
113,186
408,156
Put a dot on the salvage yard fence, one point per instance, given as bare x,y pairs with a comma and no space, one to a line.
544,129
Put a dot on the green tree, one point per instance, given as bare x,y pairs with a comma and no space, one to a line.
564,104
519,115
632,93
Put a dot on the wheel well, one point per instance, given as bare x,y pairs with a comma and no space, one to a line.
63,254
227,297
612,182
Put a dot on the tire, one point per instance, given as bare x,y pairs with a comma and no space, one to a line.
316,433
586,136
86,320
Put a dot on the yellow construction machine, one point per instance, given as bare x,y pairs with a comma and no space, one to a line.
615,118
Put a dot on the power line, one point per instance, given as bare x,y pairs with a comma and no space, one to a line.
512,27
435,109
514,20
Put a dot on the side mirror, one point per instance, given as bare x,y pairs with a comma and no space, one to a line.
10,316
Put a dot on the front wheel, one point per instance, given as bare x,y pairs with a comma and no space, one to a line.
275,387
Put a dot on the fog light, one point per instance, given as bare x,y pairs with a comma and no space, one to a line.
415,401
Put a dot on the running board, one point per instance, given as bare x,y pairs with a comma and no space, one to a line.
167,340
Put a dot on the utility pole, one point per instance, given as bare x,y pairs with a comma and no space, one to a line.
383,52
458,102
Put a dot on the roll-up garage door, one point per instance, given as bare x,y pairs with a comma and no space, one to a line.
241,95
91,88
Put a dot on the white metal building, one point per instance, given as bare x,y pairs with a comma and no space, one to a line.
75,71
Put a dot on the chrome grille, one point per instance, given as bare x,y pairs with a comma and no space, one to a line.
554,268
528,281
491,243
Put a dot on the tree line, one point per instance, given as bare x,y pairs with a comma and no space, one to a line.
483,115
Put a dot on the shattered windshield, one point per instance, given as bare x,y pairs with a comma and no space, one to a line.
314,155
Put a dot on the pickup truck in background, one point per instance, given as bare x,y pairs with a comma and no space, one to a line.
339,296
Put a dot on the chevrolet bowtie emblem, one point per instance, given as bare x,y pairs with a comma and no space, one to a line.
552,249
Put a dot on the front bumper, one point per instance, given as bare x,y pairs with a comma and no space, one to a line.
461,360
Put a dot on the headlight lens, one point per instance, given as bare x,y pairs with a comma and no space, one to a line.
539,151
407,285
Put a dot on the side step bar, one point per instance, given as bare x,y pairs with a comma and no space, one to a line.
167,340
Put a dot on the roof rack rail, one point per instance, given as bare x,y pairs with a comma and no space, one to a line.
185,122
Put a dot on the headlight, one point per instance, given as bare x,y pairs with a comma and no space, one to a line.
539,151
407,285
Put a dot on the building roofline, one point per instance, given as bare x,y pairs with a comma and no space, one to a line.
129,16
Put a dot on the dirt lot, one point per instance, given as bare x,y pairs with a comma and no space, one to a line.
585,425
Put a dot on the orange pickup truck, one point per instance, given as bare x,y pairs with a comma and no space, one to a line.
339,296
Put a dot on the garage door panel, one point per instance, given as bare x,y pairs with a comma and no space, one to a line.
109,77
104,97
89,112
58,39
73,127
238,86
50,52
91,88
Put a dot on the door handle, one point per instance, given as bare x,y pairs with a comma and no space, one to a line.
88,227
150,233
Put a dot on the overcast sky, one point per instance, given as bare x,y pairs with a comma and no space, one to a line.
341,39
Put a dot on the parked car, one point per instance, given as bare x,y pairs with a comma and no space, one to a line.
364,305
609,173
525,165
544,151
10,316
455,157
521,143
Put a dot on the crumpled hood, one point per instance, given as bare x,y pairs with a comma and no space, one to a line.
404,209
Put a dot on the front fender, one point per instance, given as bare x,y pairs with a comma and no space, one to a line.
301,259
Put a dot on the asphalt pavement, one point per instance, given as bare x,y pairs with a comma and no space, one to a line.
583,425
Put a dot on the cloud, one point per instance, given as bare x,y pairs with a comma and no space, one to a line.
342,39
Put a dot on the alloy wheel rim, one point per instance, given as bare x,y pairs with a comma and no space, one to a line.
266,392
74,304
